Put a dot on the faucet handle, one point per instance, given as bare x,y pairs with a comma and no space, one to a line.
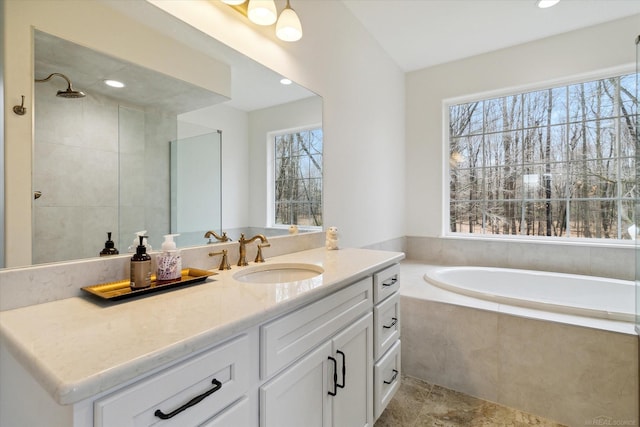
259,257
224,261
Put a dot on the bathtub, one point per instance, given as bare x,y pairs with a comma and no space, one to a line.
588,296
556,345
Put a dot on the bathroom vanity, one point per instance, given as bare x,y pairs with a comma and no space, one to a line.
320,351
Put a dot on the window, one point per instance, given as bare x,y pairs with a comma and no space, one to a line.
298,178
558,162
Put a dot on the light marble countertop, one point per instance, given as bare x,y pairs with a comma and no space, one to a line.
78,347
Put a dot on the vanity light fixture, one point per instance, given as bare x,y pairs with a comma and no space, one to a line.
264,12
288,27
114,83
543,4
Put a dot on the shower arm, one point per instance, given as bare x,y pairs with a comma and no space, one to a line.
46,79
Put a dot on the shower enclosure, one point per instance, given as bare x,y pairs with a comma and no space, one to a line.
196,165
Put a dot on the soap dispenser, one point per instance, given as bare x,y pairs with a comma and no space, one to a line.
140,267
109,247
169,261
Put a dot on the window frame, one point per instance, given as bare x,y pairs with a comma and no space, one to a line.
270,141
617,71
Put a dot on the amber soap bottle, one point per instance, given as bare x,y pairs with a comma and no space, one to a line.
140,267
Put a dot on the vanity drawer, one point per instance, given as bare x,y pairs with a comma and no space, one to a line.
386,282
289,337
238,414
386,379
387,324
222,374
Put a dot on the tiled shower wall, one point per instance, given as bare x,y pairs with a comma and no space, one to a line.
77,160
594,260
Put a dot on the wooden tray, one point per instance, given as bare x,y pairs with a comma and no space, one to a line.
114,291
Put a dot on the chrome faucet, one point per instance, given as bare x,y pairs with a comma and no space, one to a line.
209,234
242,261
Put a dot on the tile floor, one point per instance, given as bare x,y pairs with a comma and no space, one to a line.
418,403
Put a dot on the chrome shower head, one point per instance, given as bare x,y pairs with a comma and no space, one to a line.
70,92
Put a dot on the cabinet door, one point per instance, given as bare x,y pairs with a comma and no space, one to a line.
353,351
299,395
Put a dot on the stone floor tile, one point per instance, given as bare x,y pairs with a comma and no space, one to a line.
418,403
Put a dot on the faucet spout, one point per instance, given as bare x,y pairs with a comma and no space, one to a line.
242,261
209,234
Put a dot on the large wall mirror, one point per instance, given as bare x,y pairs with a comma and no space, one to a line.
159,154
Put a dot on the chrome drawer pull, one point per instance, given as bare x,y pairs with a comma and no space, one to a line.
391,282
217,385
393,378
395,320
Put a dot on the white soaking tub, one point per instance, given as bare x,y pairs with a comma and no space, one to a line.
588,296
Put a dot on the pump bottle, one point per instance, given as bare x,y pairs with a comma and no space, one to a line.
169,261
140,267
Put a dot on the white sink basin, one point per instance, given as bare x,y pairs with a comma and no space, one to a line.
278,273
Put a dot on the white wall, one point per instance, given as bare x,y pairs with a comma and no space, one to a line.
363,117
553,59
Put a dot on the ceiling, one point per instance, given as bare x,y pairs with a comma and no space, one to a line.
422,33
253,86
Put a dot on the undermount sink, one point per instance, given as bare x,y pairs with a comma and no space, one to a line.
278,273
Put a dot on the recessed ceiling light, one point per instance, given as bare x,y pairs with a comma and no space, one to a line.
114,83
285,81
543,4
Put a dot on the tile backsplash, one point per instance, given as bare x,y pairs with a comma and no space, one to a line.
20,287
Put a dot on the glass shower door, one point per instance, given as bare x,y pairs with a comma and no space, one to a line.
196,187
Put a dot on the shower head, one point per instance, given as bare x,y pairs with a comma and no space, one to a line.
70,92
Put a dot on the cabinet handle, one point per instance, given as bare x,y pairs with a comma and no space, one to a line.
217,385
335,377
344,368
391,282
395,320
393,378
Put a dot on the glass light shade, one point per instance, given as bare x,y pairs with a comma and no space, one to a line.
262,12
543,4
288,27
233,2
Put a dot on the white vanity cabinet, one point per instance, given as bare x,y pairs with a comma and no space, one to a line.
386,375
332,384
332,362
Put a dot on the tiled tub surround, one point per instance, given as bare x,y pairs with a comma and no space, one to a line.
76,348
570,369
592,259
